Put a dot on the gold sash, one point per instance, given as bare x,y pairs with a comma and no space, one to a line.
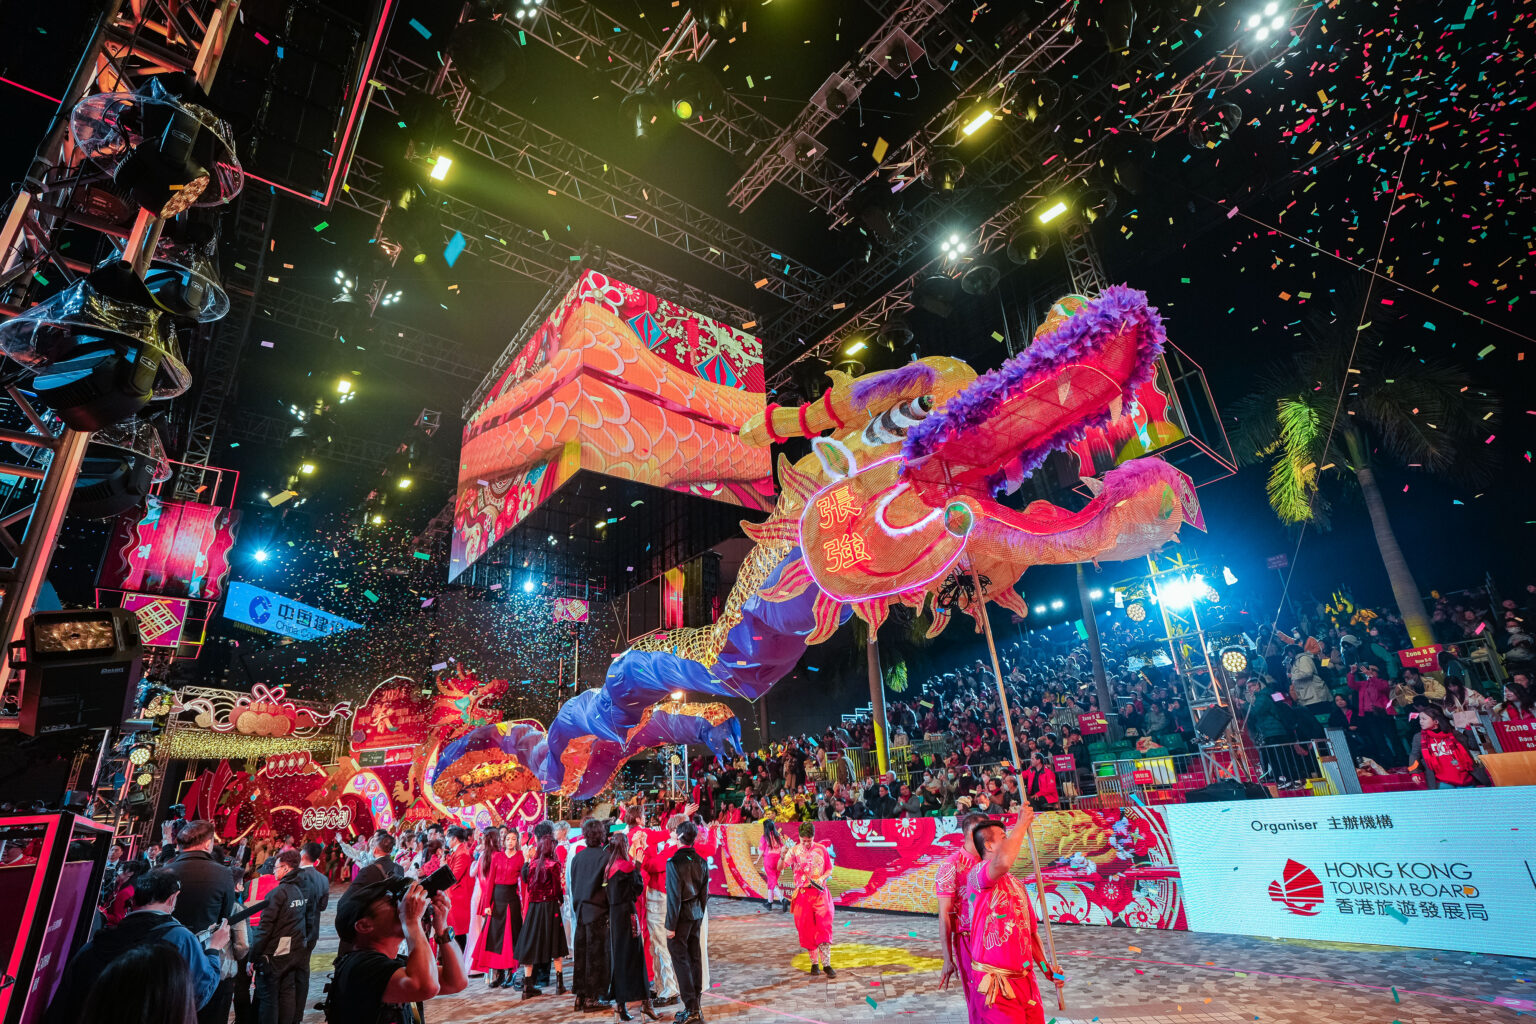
996,981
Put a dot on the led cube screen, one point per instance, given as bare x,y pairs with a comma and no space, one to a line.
620,382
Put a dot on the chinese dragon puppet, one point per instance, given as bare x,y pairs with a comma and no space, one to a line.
898,497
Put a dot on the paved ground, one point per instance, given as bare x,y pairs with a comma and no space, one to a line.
888,967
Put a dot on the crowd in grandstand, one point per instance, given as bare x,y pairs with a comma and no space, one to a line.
1340,668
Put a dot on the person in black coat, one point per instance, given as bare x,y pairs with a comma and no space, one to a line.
687,899
207,897
626,953
317,896
590,903
280,945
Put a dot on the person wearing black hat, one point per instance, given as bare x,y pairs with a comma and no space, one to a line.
374,984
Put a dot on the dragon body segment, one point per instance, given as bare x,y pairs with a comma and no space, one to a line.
898,495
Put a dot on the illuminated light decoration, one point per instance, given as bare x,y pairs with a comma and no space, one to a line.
139,755
1136,611
976,120
1051,212
441,167
1234,660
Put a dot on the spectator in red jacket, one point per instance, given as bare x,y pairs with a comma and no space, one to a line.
1442,751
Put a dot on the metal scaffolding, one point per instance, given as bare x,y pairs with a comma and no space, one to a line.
596,41
889,48
130,42
254,428
563,168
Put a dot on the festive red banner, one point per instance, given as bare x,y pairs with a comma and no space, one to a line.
1425,659
1107,867
172,549
1517,735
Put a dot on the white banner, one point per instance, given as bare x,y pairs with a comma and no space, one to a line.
1447,869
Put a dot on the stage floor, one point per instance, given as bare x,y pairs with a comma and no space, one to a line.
888,967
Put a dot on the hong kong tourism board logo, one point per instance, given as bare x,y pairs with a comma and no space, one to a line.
1397,889
1298,890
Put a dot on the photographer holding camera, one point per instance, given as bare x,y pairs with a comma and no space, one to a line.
373,983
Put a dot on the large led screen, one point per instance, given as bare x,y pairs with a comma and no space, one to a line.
171,549
616,381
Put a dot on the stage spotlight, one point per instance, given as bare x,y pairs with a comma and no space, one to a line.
184,275
307,468
854,348
161,144
976,120
1117,18
716,15
1039,609
440,167
404,483
678,695
936,294
1136,611
391,298
485,50
1051,212
1057,605
944,170
528,9
980,279
344,386
953,247
1098,201
260,554
1027,246
1214,125
1037,96
1095,594
896,335
528,585
99,349
694,92
377,519
1234,660
1268,25
640,109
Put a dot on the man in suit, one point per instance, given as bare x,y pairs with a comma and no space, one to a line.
589,902
687,900
317,896
381,868
207,897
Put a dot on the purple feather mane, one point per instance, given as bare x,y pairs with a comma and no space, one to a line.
1115,308
880,386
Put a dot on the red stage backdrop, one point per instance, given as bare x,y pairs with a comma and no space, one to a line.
173,549
1109,867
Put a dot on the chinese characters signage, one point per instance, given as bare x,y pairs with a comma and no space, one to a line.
1446,869
281,615
396,716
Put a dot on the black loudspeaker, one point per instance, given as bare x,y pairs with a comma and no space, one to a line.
82,669
1213,722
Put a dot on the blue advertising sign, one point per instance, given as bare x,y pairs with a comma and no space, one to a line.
281,615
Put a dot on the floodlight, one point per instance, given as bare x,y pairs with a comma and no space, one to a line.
1057,605
404,483
977,119
1051,212
1234,660
344,386
1136,611
1039,609
440,168
854,349
260,555
528,585
307,468
1095,594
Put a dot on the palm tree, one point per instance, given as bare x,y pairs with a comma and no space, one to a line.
1316,418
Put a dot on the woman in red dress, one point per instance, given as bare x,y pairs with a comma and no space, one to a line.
810,865
499,871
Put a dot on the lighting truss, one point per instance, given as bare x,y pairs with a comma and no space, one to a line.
910,19
558,165
525,251
579,31
256,429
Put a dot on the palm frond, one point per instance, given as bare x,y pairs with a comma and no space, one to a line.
1293,474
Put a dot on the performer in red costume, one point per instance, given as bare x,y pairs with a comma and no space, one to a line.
810,866
501,905
461,861
1005,943
949,886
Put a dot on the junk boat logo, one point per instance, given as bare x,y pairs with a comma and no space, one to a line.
1300,890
